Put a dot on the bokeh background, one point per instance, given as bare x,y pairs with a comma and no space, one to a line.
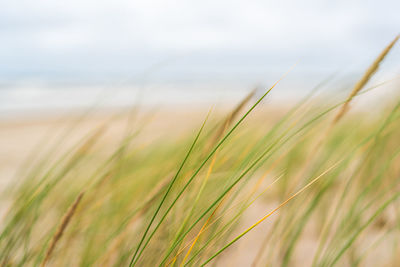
104,98
68,55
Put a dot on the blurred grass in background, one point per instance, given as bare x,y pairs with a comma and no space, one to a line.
332,185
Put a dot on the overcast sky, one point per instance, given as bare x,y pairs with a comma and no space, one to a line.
87,40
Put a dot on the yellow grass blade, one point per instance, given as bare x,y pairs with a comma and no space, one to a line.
271,212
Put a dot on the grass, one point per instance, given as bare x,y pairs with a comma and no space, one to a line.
322,181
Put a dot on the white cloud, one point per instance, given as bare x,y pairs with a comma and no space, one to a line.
127,32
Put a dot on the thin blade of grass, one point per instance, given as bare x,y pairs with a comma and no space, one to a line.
169,189
205,161
269,214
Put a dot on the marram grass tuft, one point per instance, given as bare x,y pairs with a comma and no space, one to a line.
249,188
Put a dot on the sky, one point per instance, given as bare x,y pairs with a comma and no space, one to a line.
189,41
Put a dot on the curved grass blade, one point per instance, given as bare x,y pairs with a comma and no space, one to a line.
169,189
204,162
270,213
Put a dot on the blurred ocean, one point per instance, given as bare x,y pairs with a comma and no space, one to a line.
33,97
45,98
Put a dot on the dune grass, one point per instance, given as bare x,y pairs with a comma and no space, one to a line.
322,180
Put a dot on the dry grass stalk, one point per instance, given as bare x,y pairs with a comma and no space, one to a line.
89,143
60,230
345,107
363,81
233,115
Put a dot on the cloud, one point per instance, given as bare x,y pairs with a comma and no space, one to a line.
104,36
